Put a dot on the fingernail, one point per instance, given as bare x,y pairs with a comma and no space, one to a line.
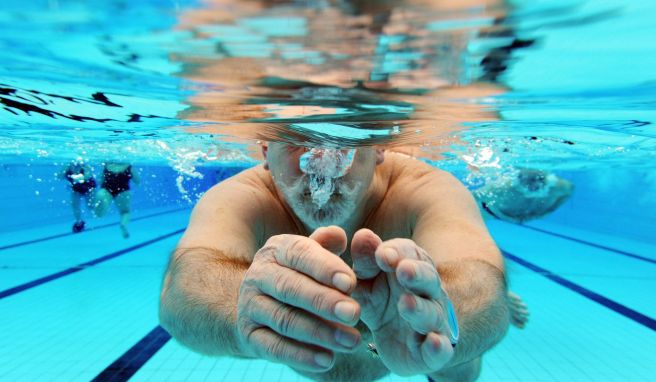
342,282
391,256
411,303
437,344
406,275
345,311
345,338
323,359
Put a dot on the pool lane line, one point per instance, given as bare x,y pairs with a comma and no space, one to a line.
9,246
618,251
83,266
608,303
132,360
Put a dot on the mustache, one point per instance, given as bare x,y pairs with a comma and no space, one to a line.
337,185
336,209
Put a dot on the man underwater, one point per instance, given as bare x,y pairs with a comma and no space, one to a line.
322,256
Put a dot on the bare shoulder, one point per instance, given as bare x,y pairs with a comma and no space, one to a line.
441,213
230,215
410,176
415,190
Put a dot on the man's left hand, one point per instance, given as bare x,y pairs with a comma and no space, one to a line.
402,302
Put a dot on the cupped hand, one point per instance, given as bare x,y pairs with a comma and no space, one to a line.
403,303
294,305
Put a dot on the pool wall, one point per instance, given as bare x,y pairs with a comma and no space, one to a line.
613,202
610,201
31,195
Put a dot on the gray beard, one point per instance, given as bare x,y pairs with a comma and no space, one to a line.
336,210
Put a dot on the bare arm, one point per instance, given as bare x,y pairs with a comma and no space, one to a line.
285,301
199,299
470,266
201,286
478,292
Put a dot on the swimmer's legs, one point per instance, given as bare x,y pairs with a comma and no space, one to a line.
123,204
466,372
101,202
78,226
75,204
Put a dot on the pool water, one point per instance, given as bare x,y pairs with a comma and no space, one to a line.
184,90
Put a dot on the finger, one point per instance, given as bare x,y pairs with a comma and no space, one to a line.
519,307
332,238
302,326
271,346
421,314
436,351
389,253
363,254
299,290
420,278
521,312
308,257
518,323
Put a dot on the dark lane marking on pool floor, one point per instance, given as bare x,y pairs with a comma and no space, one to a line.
132,360
608,303
618,251
83,266
9,246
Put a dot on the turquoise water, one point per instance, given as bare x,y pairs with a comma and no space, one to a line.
184,90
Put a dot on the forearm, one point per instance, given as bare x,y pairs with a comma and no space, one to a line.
199,300
478,292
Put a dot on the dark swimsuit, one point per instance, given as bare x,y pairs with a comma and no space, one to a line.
82,188
115,183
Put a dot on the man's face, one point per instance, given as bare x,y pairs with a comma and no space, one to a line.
319,200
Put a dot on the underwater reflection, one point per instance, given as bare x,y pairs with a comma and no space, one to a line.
346,73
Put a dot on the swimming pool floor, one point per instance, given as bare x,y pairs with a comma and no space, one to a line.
84,307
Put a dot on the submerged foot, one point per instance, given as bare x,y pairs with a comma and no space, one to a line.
78,226
518,310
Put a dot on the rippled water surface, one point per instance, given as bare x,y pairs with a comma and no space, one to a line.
556,85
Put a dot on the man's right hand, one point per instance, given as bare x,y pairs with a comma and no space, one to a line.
294,305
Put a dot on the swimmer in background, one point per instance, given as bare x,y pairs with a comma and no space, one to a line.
115,186
531,194
80,177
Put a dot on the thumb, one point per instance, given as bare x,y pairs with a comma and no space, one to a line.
332,238
363,254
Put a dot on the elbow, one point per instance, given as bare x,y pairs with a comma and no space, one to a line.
167,314
171,303
183,315
174,319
